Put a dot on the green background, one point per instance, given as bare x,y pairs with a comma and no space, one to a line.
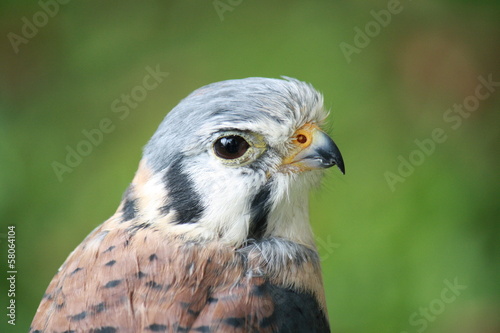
386,252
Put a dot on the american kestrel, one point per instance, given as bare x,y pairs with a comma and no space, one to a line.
213,233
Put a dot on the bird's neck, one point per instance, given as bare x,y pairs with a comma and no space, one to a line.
287,217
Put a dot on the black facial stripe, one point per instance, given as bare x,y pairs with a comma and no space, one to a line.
129,210
182,197
259,210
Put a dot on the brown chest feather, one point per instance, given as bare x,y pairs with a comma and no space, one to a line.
140,281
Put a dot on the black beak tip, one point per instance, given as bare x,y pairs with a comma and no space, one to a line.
339,162
336,159
341,167
330,155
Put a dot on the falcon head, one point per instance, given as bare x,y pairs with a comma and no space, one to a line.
234,162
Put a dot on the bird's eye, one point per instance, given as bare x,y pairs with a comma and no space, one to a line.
231,147
301,138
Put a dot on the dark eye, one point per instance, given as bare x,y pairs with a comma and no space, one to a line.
230,147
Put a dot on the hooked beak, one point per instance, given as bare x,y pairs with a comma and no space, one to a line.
317,152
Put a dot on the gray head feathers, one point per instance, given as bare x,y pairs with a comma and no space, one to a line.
255,104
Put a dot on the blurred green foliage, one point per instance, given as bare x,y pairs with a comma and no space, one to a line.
386,253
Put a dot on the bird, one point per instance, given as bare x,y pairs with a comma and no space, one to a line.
213,232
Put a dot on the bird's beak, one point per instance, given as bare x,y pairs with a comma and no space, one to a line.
313,149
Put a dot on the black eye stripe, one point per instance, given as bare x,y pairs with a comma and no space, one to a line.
231,147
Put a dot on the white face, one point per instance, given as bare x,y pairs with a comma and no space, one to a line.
235,166
249,151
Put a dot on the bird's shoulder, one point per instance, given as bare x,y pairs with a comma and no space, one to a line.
133,278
